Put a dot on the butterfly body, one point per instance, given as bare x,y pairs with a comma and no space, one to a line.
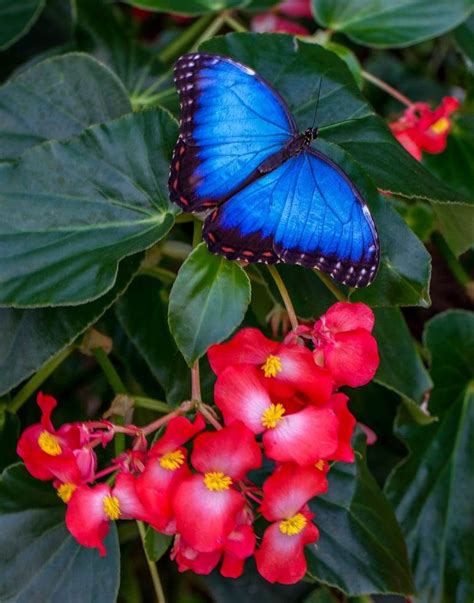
270,196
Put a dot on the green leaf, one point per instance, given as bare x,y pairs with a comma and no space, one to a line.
405,265
142,313
208,301
9,432
16,18
39,559
156,544
361,548
188,7
70,211
321,595
57,99
349,59
464,38
433,488
30,338
102,33
401,369
386,23
456,224
295,68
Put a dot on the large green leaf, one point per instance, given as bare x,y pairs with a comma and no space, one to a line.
433,489
361,548
30,338
143,316
188,7
16,18
9,432
39,559
391,23
208,301
101,33
55,100
344,117
70,211
464,37
401,369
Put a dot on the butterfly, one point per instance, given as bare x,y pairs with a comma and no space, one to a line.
270,197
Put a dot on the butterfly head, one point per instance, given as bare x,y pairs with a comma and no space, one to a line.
309,135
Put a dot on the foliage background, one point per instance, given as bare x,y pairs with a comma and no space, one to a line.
88,237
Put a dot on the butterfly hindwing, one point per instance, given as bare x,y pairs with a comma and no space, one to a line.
305,212
231,121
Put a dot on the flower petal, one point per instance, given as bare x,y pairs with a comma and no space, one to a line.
85,516
205,518
188,558
248,346
47,405
289,488
178,432
241,396
346,316
304,437
352,358
232,450
347,422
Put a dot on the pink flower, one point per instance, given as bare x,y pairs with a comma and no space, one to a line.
304,436
287,368
272,23
165,469
207,504
280,557
344,344
91,509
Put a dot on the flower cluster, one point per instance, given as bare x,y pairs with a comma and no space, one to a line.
283,415
276,20
424,129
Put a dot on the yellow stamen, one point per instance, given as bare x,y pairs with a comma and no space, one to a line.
272,366
272,415
172,460
217,481
49,444
65,491
320,465
440,126
112,507
293,525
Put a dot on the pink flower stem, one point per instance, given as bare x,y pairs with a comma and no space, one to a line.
105,472
195,383
284,295
208,413
386,88
184,407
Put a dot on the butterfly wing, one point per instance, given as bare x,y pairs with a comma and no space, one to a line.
231,121
305,212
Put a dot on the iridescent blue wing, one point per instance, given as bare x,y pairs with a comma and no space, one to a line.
305,212
231,121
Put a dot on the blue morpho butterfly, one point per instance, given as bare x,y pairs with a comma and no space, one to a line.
272,197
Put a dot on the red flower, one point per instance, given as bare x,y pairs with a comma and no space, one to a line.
270,22
280,557
287,368
423,129
347,422
296,8
90,510
304,436
50,454
344,344
206,505
165,470
239,545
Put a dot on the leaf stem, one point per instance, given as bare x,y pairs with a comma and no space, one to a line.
235,24
183,41
210,31
37,379
195,383
284,295
331,285
386,88
197,233
162,274
151,404
160,595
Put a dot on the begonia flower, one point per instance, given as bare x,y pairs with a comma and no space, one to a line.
207,504
304,436
273,23
296,8
344,344
49,453
421,128
165,468
286,367
91,509
286,493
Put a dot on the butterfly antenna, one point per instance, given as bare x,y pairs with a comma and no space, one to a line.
317,102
